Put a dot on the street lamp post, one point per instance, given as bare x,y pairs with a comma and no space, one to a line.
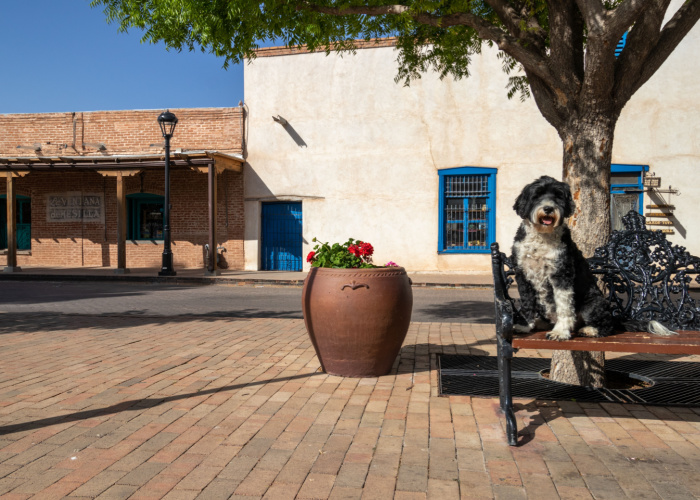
167,122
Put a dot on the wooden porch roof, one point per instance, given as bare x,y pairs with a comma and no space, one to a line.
193,159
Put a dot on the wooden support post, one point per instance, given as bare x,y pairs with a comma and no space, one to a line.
11,226
121,226
211,268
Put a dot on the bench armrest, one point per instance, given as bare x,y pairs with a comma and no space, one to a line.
505,308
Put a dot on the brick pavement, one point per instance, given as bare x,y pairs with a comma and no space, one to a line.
151,407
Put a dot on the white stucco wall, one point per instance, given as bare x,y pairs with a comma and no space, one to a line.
370,148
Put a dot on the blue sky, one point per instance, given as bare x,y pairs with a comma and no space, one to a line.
62,56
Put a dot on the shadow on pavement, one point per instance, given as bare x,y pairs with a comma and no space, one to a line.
54,321
21,293
134,405
458,311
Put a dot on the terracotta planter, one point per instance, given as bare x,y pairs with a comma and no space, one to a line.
357,318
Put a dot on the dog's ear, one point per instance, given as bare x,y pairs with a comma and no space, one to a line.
569,205
522,201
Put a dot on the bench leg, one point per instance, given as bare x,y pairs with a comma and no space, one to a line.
505,356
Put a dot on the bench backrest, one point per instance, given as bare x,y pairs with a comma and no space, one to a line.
642,275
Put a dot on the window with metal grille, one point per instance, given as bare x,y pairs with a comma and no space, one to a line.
467,210
626,191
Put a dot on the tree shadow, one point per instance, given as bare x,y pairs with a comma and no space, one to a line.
64,292
54,321
542,412
415,358
134,405
459,311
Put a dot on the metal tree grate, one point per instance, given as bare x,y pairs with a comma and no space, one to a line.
673,383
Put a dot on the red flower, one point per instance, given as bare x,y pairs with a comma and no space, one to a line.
366,249
355,250
310,257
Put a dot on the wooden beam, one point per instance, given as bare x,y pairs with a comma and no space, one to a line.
225,163
11,226
121,226
211,269
120,173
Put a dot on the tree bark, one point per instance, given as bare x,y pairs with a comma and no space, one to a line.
587,144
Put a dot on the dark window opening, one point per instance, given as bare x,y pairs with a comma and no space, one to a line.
144,216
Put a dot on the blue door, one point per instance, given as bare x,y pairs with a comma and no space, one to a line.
281,236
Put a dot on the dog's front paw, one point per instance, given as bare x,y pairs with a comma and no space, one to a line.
522,328
589,331
559,335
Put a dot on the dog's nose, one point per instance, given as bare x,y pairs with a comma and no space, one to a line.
548,210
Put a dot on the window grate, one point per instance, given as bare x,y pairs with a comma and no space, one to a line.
466,212
466,185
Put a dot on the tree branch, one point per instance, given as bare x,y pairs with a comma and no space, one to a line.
511,19
594,14
530,59
625,15
566,43
546,102
640,42
671,35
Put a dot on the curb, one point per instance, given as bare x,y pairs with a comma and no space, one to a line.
218,280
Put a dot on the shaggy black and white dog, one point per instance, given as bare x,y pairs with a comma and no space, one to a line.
555,283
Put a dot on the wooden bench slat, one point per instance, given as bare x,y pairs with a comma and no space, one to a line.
686,342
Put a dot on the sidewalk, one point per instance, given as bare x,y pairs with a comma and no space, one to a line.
181,408
227,277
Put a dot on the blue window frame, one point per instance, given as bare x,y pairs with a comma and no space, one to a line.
144,216
626,191
467,210
621,44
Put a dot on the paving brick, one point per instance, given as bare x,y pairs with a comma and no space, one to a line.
99,483
412,478
315,436
256,483
282,491
118,491
316,486
141,474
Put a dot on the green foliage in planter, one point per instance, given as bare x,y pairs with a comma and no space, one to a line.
351,254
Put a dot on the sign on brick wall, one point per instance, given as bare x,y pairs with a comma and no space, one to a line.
75,206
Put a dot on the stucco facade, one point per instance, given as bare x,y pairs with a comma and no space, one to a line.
362,153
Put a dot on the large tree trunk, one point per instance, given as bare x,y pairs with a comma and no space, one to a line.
587,142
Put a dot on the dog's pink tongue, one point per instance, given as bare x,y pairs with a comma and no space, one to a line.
547,221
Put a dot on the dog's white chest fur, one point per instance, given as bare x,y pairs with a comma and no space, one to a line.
538,255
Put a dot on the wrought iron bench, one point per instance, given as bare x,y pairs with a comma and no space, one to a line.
643,276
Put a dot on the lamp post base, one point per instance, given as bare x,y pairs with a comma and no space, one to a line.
166,267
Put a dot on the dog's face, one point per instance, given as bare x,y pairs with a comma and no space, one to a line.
545,202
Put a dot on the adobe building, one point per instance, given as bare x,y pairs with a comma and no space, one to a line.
429,173
89,188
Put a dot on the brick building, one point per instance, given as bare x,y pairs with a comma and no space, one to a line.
89,187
